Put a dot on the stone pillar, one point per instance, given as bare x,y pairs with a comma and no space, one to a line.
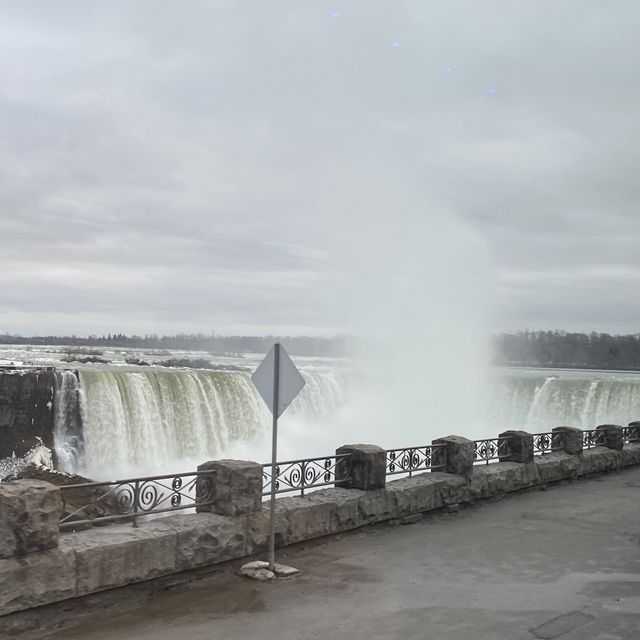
30,512
520,446
458,455
366,466
612,435
572,439
234,487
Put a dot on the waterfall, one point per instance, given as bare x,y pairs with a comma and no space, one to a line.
536,401
151,419
68,438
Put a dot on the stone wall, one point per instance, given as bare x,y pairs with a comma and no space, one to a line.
98,559
26,409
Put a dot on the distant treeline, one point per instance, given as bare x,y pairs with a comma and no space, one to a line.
562,349
214,344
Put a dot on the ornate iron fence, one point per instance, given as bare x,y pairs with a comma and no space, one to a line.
116,500
490,449
548,442
301,475
593,438
425,458
631,434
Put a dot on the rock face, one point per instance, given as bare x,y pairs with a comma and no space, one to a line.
26,410
30,511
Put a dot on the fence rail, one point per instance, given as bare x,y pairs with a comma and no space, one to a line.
631,434
490,449
128,500
593,438
304,474
425,458
95,502
548,442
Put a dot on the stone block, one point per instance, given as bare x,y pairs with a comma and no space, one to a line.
204,538
257,527
520,446
458,455
36,580
366,466
117,555
30,513
311,517
572,439
555,467
418,494
612,436
630,454
599,460
235,487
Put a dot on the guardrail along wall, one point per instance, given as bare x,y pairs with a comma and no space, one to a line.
357,486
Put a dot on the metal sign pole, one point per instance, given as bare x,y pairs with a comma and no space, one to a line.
274,458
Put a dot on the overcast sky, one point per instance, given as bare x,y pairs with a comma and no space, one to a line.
243,166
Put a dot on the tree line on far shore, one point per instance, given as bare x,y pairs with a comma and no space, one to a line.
522,348
212,343
571,350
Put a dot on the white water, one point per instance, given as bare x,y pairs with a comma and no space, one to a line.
538,400
152,419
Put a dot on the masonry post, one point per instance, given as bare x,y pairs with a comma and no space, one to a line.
456,455
572,439
635,437
30,512
612,438
520,446
232,487
366,466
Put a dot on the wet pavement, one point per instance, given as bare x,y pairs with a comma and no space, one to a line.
561,563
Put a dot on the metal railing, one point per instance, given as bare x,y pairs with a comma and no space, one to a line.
593,438
429,457
309,473
117,500
631,434
490,449
548,442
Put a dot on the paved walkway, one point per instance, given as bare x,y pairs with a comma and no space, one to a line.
562,563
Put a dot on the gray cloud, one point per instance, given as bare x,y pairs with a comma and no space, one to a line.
242,166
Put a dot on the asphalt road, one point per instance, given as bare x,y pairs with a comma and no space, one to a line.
562,563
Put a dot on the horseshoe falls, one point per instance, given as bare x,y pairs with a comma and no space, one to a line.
538,400
118,421
157,420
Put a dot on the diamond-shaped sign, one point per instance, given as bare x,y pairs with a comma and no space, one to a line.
290,379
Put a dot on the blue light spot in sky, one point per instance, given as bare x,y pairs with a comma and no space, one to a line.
335,14
448,69
492,91
395,43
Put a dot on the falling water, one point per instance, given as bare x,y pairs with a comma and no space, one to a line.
152,419
540,400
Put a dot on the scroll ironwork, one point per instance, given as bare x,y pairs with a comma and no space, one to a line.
548,442
310,473
425,458
593,438
101,502
490,449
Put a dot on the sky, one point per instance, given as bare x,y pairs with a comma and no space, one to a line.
251,167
